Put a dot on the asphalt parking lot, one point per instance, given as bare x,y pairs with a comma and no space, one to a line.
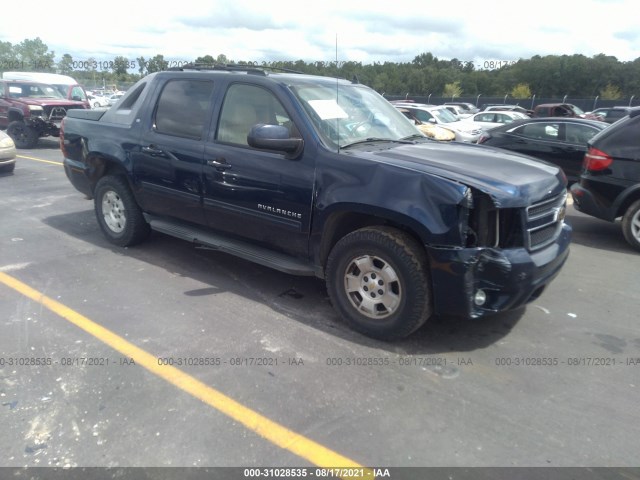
264,372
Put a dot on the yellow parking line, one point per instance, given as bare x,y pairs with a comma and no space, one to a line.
39,160
272,431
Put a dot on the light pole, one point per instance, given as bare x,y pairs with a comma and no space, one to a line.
478,99
533,100
595,102
504,102
429,98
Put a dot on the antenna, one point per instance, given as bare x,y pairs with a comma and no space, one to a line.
337,119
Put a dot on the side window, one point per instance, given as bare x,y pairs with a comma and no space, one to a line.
423,116
486,117
579,133
78,93
182,108
248,105
616,114
540,131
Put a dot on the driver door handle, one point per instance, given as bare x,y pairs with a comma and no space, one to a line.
153,151
219,164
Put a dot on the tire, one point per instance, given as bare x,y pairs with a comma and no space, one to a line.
23,135
378,280
631,225
96,105
118,214
7,168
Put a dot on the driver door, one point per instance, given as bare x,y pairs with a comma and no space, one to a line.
258,195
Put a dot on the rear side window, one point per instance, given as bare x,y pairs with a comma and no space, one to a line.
621,140
182,108
579,134
616,114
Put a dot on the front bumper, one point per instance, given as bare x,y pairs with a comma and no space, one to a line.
509,278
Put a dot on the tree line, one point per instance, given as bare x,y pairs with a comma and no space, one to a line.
577,76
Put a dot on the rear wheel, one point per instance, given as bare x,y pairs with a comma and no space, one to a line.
22,134
377,279
631,225
118,214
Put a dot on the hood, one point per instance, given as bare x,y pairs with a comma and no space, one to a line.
510,179
53,102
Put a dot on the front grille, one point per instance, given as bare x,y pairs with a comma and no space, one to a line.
57,113
544,221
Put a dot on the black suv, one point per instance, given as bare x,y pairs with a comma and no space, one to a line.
609,185
612,114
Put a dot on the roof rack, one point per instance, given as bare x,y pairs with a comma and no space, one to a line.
252,69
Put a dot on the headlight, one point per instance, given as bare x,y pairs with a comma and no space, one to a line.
6,143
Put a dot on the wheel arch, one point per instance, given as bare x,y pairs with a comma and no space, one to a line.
100,165
625,200
15,116
341,222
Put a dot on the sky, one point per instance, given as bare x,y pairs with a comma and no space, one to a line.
363,31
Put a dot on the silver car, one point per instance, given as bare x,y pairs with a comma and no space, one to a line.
7,153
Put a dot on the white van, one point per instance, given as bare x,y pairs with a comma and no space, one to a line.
67,86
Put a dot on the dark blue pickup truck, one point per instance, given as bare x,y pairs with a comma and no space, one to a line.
318,176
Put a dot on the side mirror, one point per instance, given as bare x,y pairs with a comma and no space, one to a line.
275,138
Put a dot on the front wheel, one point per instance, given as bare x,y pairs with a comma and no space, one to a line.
118,214
378,280
631,225
22,134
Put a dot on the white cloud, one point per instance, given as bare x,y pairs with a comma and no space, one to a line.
367,31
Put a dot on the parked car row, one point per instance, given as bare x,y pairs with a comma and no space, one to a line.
100,98
441,116
562,142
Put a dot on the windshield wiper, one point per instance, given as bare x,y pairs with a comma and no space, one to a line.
416,136
375,139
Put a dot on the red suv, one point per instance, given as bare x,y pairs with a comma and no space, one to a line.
30,110
566,110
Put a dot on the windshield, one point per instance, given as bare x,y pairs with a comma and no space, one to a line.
443,115
576,110
33,90
351,114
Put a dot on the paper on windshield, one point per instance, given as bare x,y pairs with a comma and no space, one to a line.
328,109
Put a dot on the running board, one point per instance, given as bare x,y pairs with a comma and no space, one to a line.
253,253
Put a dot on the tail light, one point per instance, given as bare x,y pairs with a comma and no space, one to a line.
484,137
596,160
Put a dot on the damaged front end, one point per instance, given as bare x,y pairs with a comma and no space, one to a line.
507,257
46,119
